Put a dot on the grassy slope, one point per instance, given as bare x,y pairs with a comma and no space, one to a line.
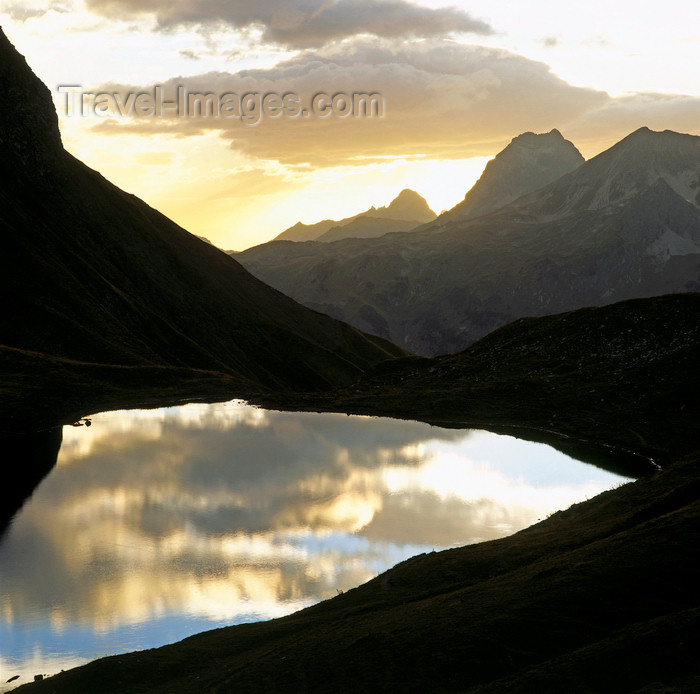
602,597
93,274
40,391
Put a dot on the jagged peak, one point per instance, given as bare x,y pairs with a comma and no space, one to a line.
646,132
643,134
530,161
529,144
645,162
649,152
409,202
407,194
530,137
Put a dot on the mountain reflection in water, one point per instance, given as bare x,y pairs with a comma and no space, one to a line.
158,524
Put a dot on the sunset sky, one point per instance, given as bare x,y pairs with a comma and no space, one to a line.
458,82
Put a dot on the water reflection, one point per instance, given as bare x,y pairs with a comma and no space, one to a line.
30,456
157,524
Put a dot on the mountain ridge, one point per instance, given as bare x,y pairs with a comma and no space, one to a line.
367,227
625,169
406,211
29,133
94,274
606,231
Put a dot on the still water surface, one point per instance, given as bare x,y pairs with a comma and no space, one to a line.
158,524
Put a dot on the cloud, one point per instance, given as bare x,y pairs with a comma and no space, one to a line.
189,54
20,12
227,512
655,110
442,99
301,23
597,129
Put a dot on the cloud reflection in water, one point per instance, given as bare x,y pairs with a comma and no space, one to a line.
210,514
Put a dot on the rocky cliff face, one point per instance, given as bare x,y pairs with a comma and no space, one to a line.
29,135
623,225
529,162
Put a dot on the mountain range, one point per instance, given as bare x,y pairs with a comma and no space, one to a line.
622,225
106,298
406,211
91,274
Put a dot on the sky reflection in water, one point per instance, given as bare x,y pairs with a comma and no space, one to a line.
158,524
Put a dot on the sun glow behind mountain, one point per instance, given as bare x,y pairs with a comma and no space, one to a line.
458,84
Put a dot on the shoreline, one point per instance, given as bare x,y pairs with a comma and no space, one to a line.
601,597
421,603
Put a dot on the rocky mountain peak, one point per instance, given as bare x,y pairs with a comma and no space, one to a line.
409,205
537,140
652,139
29,134
629,168
529,162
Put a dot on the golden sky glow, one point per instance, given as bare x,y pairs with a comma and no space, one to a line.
458,83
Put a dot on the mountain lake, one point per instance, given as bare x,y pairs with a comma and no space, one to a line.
157,524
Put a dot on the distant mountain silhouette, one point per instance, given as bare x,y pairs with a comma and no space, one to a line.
407,205
310,232
93,274
529,162
406,211
625,224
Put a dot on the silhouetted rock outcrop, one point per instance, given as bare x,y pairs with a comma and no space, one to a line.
29,135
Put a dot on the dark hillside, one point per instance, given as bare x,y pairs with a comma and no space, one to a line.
92,274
